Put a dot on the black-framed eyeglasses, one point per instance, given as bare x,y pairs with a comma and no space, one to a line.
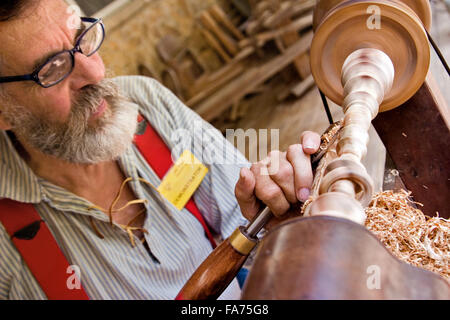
60,65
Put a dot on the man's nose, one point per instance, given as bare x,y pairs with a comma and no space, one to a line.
87,70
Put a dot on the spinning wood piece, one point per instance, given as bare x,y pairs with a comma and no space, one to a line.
422,8
366,69
367,76
347,27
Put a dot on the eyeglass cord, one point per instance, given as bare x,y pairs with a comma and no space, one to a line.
128,227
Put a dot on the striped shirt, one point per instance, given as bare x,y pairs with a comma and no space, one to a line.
111,268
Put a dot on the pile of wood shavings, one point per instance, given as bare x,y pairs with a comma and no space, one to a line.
410,235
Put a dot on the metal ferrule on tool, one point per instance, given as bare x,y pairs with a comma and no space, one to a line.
241,241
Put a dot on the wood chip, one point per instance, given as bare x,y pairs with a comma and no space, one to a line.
408,233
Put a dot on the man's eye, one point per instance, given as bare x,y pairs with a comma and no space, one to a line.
57,63
54,68
48,70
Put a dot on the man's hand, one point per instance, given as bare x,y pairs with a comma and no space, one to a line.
281,181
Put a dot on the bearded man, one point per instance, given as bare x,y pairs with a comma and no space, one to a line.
67,149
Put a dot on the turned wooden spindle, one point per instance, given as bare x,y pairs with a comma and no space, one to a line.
346,187
353,63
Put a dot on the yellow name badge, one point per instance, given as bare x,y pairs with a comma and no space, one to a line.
182,179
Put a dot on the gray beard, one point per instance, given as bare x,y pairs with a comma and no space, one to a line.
75,141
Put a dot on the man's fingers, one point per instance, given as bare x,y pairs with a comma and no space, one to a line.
302,171
310,142
245,193
269,192
282,173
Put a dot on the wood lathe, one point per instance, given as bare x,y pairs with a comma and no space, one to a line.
368,57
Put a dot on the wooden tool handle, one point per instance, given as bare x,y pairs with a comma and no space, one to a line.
214,274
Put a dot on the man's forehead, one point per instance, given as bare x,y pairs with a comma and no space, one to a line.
46,14
48,20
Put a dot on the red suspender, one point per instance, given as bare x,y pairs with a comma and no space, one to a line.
159,157
38,247
41,254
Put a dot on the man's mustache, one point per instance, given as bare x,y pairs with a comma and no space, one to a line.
92,95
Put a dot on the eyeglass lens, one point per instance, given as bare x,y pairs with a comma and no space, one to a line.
61,65
55,69
92,40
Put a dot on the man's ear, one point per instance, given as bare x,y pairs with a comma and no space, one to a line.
4,125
